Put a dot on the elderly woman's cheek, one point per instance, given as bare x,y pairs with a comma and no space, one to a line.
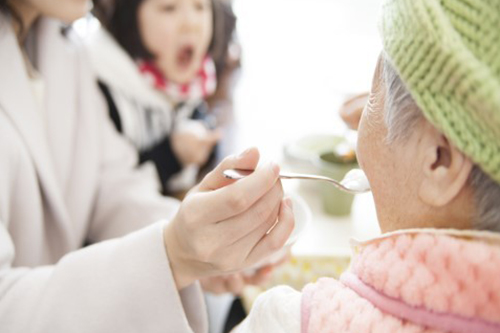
363,156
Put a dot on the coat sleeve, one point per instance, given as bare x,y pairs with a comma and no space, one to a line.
277,311
122,285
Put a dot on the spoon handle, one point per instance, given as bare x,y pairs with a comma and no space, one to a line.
291,175
239,174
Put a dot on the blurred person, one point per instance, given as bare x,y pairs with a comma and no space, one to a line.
69,180
429,143
156,68
157,62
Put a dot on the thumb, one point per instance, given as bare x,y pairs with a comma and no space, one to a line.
247,160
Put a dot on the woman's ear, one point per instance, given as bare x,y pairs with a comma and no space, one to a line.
445,169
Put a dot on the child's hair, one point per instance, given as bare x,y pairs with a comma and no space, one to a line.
6,9
4,6
120,19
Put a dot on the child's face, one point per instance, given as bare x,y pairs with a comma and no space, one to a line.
178,34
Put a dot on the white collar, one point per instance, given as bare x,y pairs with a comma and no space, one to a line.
117,69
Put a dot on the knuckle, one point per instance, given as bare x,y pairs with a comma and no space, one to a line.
238,201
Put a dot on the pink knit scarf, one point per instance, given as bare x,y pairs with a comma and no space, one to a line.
442,321
412,281
202,85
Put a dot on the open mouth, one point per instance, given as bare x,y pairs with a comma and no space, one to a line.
185,56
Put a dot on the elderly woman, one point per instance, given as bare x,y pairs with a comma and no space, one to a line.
429,142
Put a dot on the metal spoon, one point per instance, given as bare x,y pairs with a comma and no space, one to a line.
354,182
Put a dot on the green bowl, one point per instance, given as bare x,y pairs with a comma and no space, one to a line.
335,202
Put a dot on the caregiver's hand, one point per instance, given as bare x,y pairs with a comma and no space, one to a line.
221,225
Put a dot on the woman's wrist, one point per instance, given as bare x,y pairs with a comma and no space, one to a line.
180,271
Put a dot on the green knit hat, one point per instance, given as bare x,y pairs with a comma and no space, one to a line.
448,54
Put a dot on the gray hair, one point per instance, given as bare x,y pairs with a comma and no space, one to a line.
402,115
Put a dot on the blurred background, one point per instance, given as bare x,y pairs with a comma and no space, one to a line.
300,59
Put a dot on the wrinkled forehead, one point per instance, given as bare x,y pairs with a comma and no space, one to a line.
378,77
375,102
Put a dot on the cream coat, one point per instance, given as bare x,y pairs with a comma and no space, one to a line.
66,179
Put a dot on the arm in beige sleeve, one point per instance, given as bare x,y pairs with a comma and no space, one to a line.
123,285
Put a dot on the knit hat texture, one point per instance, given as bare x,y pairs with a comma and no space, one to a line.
448,54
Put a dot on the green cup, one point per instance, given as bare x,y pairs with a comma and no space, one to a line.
335,202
